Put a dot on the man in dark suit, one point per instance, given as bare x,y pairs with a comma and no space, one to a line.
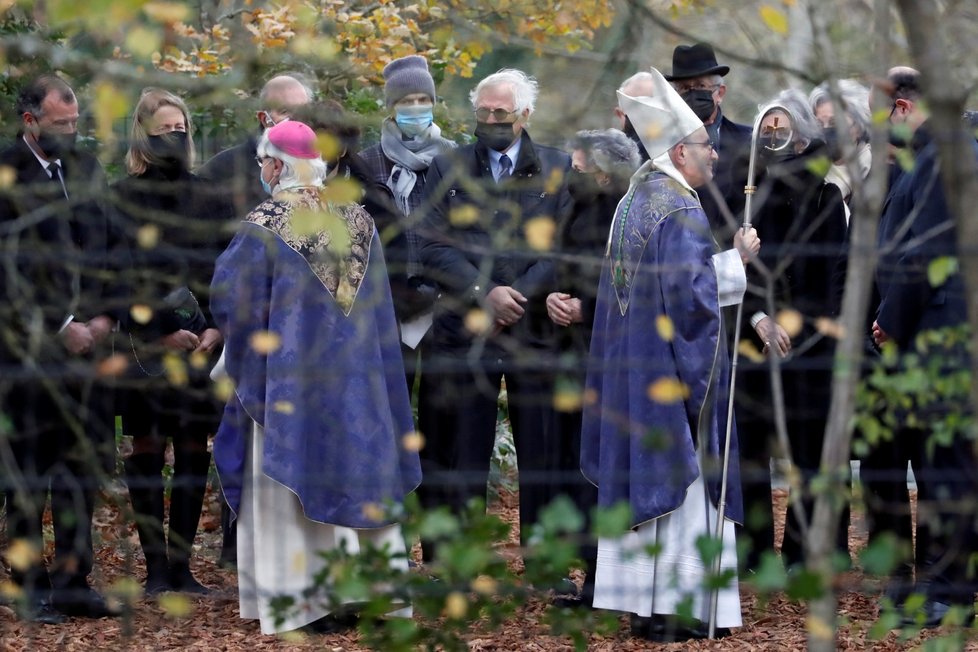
917,228
234,167
60,297
484,242
698,79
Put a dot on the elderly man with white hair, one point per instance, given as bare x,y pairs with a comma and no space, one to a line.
312,444
494,207
658,380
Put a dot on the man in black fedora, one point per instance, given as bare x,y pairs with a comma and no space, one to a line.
698,79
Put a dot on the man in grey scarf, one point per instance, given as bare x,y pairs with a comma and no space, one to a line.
409,140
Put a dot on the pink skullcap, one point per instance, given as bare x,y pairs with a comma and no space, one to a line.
294,138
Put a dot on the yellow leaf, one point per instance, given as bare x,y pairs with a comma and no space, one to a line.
568,400
175,605
540,232
110,105
791,321
775,19
175,369
223,388
8,176
199,360
342,191
463,216
22,554
10,591
665,328
830,328
113,366
668,390
294,636
819,629
456,605
484,585
265,342
749,351
143,41
148,236
141,314
285,407
374,512
166,12
328,145
126,588
477,321
413,441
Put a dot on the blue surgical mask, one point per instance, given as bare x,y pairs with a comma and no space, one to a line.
267,188
413,120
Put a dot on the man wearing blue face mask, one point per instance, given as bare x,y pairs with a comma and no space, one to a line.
409,141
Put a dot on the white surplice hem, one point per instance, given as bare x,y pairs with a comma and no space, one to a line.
278,549
629,579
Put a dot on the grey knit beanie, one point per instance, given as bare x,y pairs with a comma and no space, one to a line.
405,76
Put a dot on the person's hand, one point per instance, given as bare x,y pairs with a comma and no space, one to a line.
100,327
210,339
563,309
879,335
78,340
747,243
181,340
504,305
774,337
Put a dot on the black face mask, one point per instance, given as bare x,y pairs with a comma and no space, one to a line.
56,145
629,130
701,102
497,136
169,149
582,186
832,146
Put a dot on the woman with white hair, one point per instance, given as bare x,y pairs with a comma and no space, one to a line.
854,100
603,162
310,448
803,221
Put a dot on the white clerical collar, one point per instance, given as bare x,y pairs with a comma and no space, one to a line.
44,164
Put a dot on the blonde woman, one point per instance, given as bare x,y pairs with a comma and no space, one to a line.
175,231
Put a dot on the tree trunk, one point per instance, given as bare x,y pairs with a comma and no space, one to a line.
822,615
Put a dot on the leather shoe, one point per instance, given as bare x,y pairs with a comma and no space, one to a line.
334,623
40,611
81,602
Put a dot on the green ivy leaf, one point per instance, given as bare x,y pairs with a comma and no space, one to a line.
611,521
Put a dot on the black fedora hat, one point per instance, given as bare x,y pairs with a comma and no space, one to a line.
693,61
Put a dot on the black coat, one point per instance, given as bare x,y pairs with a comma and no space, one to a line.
193,224
730,177
60,256
801,222
236,176
581,244
909,303
474,239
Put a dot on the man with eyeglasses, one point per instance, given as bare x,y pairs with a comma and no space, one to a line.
494,207
278,97
698,79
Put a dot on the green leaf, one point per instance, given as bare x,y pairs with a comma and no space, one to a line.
881,555
888,620
611,521
940,269
770,575
803,584
561,516
708,547
438,524
819,166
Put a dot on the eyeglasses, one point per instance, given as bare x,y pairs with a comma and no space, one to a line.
705,143
499,114
260,160
682,89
